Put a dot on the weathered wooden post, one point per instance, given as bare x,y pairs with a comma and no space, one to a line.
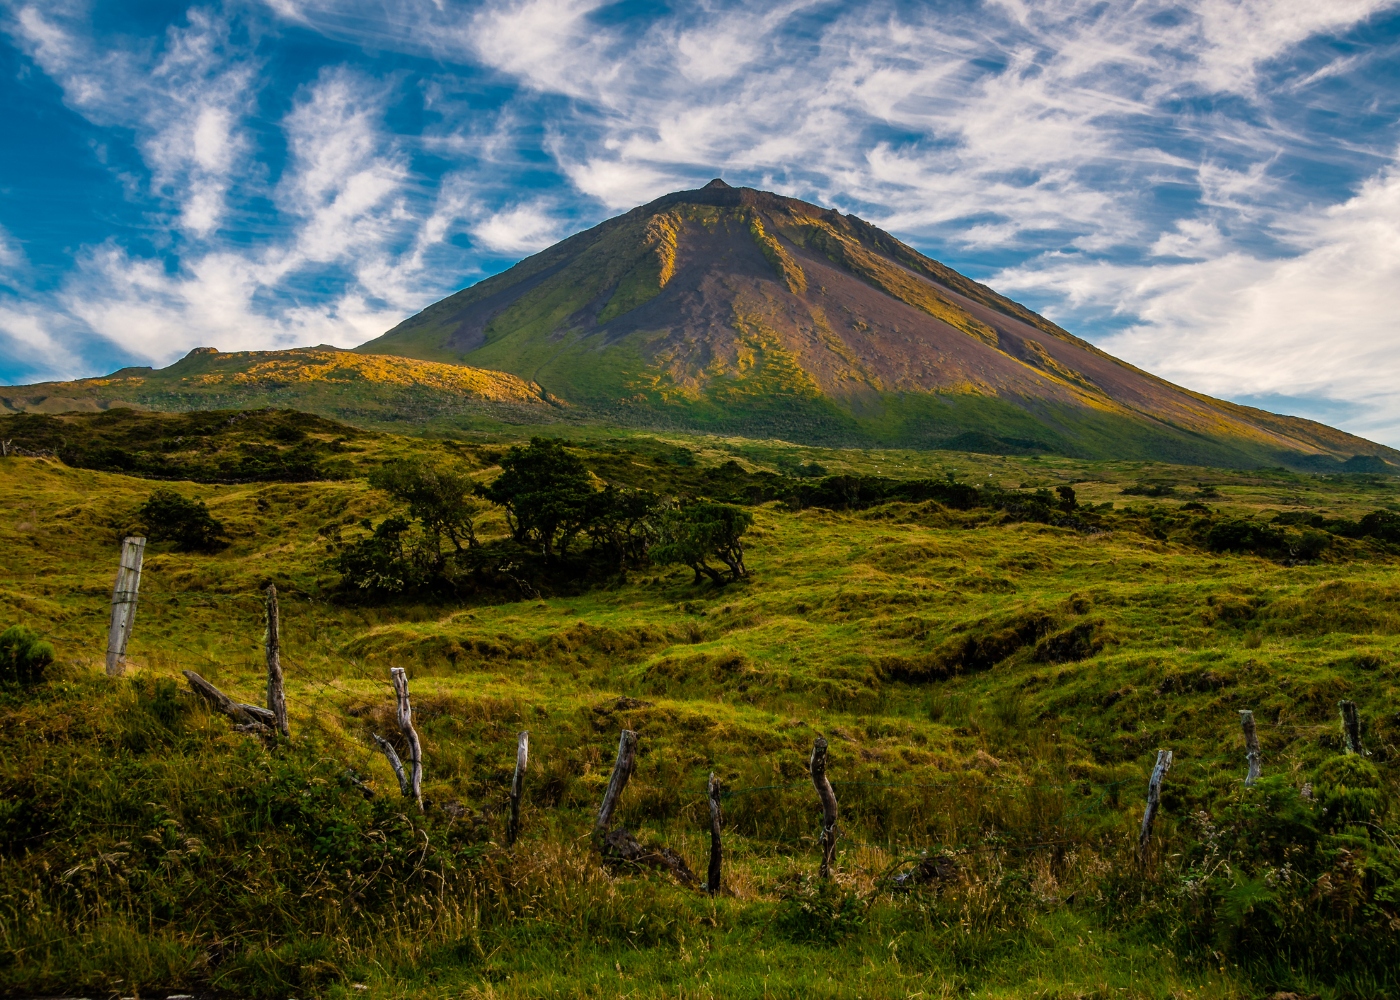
124,603
716,855
1251,746
1154,797
622,770
415,749
276,696
517,785
251,717
1351,727
392,756
828,797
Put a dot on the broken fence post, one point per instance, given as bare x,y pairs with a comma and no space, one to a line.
1154,798
276,697
716,855
517,785
828,797
124,603
622,770
251,717
1351,727
415,749
1251,747
393,757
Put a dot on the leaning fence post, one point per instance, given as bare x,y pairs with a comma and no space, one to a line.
1154,797
415,749
1251,747
392,756
828,797
1351,727
276,696
517,785
124,603
716,855
622,770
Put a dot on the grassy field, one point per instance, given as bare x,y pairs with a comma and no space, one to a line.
147,846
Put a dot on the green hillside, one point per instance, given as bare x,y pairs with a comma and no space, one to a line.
364,390
995,675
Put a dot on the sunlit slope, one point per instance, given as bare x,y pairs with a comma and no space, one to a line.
739,310
359,388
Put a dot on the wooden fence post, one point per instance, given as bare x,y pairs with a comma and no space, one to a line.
251,717
1351,727
622,770
1154,797
124,603
1251,746
392,756
415,749
716,854
828,797
517,785
276,696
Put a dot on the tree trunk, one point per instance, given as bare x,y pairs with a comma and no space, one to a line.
415,749
276,696
124,593
828,797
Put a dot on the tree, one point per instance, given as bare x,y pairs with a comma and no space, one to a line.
546,493
23,656
700,531
170,517
440,498
621,524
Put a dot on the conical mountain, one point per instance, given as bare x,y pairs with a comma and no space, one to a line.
742,311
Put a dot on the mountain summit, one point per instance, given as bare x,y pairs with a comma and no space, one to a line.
742,311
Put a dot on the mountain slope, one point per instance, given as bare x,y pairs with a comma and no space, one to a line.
367,390
738,310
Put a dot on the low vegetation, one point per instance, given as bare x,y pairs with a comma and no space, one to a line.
994,648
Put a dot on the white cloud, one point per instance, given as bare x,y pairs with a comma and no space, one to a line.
185,100
519,229
1322,324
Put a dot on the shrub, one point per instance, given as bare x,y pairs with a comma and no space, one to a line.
23,655
1239,535
698,532
1349,789
381,564
170,517
818,911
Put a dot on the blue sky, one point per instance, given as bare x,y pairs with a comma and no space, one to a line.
1208,188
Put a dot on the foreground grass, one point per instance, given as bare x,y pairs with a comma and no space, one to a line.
150,846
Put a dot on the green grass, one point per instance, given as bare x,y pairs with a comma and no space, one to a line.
149,846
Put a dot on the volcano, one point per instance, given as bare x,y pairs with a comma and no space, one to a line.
740,311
